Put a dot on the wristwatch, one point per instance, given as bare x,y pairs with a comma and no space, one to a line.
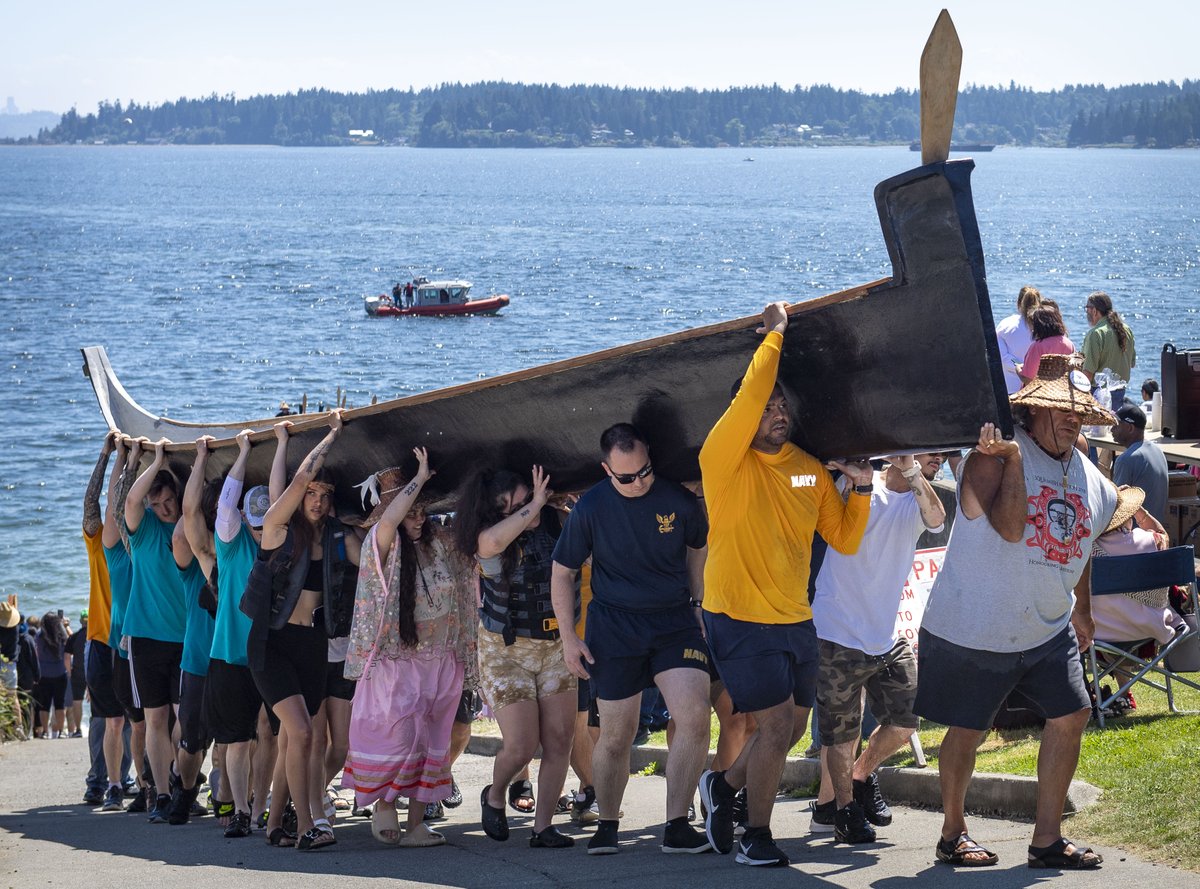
864,489
695,603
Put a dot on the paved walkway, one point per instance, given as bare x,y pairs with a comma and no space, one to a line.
47,839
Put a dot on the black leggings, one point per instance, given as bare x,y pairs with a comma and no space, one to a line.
295,664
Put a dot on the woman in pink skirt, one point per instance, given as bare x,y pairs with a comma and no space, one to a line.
411,646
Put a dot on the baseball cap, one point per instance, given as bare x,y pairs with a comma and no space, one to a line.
1132,414
256,504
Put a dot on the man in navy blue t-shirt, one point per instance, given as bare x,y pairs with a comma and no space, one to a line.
646,538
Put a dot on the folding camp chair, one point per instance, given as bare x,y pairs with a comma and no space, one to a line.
1115,575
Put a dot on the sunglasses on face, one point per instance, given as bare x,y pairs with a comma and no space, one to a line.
628,478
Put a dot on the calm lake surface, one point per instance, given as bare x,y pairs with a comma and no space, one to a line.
223,280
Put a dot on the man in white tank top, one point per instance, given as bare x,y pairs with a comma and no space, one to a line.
1011,607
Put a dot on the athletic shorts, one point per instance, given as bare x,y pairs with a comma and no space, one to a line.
231,703
98,671
469,708
527,670
889,678
50,691
193,731
155,666
295,664
964,687
336,683
631,648
78,688
762,665
123,688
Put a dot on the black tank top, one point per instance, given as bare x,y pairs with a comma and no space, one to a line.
315,579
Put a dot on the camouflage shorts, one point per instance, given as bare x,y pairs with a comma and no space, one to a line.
527,670
890,681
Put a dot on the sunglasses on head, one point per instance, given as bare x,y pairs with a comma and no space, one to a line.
628,478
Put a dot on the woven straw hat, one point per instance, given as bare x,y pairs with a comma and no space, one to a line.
1060,385
1129,501
9,615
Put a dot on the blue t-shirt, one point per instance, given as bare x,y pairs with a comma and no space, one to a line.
120,577
197,640
1144,465
638,545
156,606
234,561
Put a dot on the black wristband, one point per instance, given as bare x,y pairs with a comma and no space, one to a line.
864,489
695,603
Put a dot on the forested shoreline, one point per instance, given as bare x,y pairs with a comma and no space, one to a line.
500,114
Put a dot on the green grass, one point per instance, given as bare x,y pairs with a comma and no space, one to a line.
1146,762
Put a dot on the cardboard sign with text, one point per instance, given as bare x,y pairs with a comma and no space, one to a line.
926,565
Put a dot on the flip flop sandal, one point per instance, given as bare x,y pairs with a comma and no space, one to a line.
522,792
954,852
495,822
281,837
313,840
385,821
1056,856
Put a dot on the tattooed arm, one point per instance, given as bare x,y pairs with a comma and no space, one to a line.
389,522
110,533
91,498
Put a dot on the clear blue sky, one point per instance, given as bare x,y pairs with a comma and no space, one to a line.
57,55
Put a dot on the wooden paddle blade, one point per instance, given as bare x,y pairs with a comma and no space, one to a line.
941,63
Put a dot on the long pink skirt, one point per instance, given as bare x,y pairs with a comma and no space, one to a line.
400,730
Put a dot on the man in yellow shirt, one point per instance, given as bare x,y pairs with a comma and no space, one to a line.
765,498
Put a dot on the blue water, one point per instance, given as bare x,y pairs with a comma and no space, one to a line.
223,280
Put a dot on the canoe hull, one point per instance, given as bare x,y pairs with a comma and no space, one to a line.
905,364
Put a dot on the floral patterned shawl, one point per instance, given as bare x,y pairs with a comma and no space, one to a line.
446,608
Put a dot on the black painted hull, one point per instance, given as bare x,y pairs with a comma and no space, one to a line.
905,364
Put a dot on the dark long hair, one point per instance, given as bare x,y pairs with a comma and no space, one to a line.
303,531
406,599
53,633
1102,303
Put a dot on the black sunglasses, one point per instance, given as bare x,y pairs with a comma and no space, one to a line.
628,478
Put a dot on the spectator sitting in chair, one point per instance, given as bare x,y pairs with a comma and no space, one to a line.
1133,617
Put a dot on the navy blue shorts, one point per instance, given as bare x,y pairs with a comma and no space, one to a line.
762,665
964,687
631,648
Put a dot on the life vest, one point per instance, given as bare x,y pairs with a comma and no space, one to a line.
520,601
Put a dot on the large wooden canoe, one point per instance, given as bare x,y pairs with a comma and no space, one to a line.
903,364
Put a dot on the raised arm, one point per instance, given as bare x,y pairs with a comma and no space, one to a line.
385,531
933,511
495,540
197,535
91,497
993,484
730,438
135,500
278,478
277,518
128,475
229,518
111,527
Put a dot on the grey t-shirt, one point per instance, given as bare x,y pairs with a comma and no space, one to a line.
1144,465
993,595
